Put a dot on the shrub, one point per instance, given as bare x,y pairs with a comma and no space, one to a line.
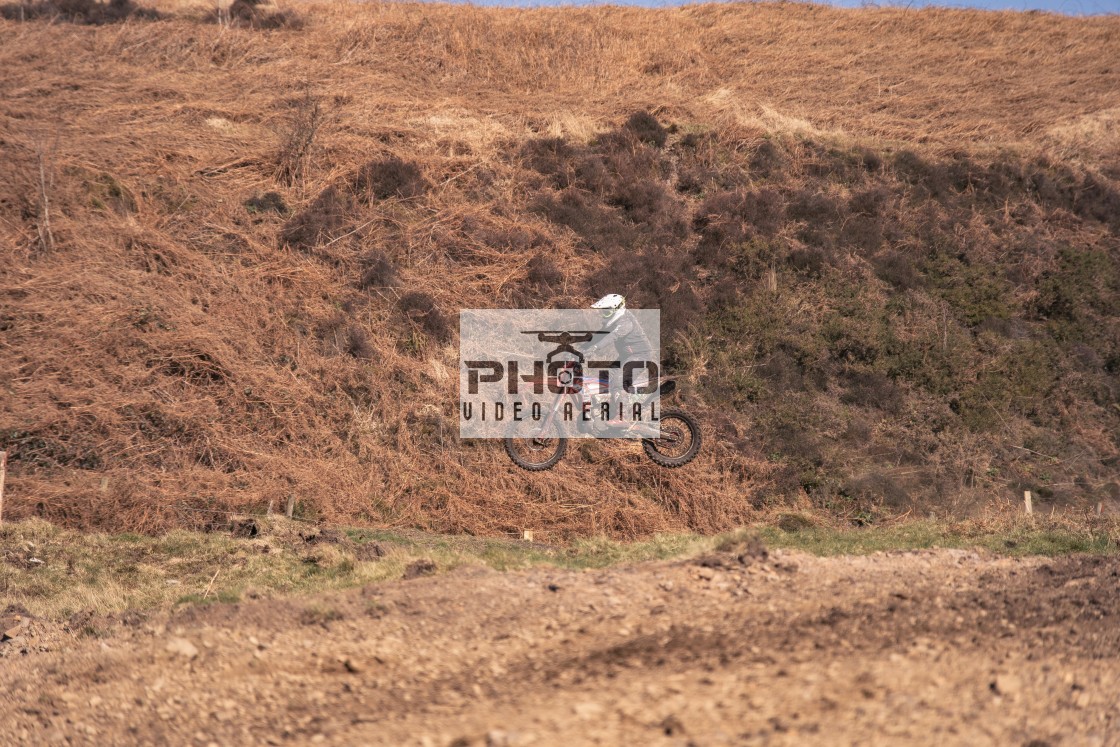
645,127
692,179
870,389
818,212
807,260
681,307
327,213
297,140
548,155
862,232
869,201
913,169
389,177
783,372
864,227
421,309
725,295
874,487
767,160
898,270
763,209
89,12
268,202
591,172
648,204
543,272
654,279
815,208
869,159
599,227
850,341
693,140
257,14
357,344
379,272
731,218
1099,201
513,238
719,223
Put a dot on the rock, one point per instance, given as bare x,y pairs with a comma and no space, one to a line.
13,629
418,568
14,622
11,634
753,550
347,664
671,726
244,527
587,710
369,551
316,536
1007,684
182,647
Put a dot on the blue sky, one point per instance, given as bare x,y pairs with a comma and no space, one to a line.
1072,7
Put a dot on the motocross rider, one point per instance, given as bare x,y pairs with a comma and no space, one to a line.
628,339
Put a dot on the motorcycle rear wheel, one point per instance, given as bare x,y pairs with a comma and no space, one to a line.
536,454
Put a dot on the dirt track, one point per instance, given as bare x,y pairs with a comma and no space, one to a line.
736,648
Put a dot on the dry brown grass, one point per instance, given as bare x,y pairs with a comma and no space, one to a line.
167,352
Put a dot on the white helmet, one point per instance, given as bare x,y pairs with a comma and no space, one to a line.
611,306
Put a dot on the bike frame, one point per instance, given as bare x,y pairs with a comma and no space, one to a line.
588,389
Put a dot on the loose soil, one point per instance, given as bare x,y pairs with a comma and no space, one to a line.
735,647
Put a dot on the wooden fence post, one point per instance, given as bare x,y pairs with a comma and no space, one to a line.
291,507
3,474
1027,501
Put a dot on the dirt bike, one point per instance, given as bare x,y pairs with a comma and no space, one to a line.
678,444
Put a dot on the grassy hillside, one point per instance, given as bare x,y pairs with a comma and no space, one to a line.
885,243
80,576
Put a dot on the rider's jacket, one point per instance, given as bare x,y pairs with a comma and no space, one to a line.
628,339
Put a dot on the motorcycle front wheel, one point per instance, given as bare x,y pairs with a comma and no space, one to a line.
679,442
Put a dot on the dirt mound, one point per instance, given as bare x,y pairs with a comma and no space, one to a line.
784,649
231,274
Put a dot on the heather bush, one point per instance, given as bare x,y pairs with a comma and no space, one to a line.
767,160
543,272
389,177
645,127
88,12
321,220
378,272
599,227
421,309
268,202
260,15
